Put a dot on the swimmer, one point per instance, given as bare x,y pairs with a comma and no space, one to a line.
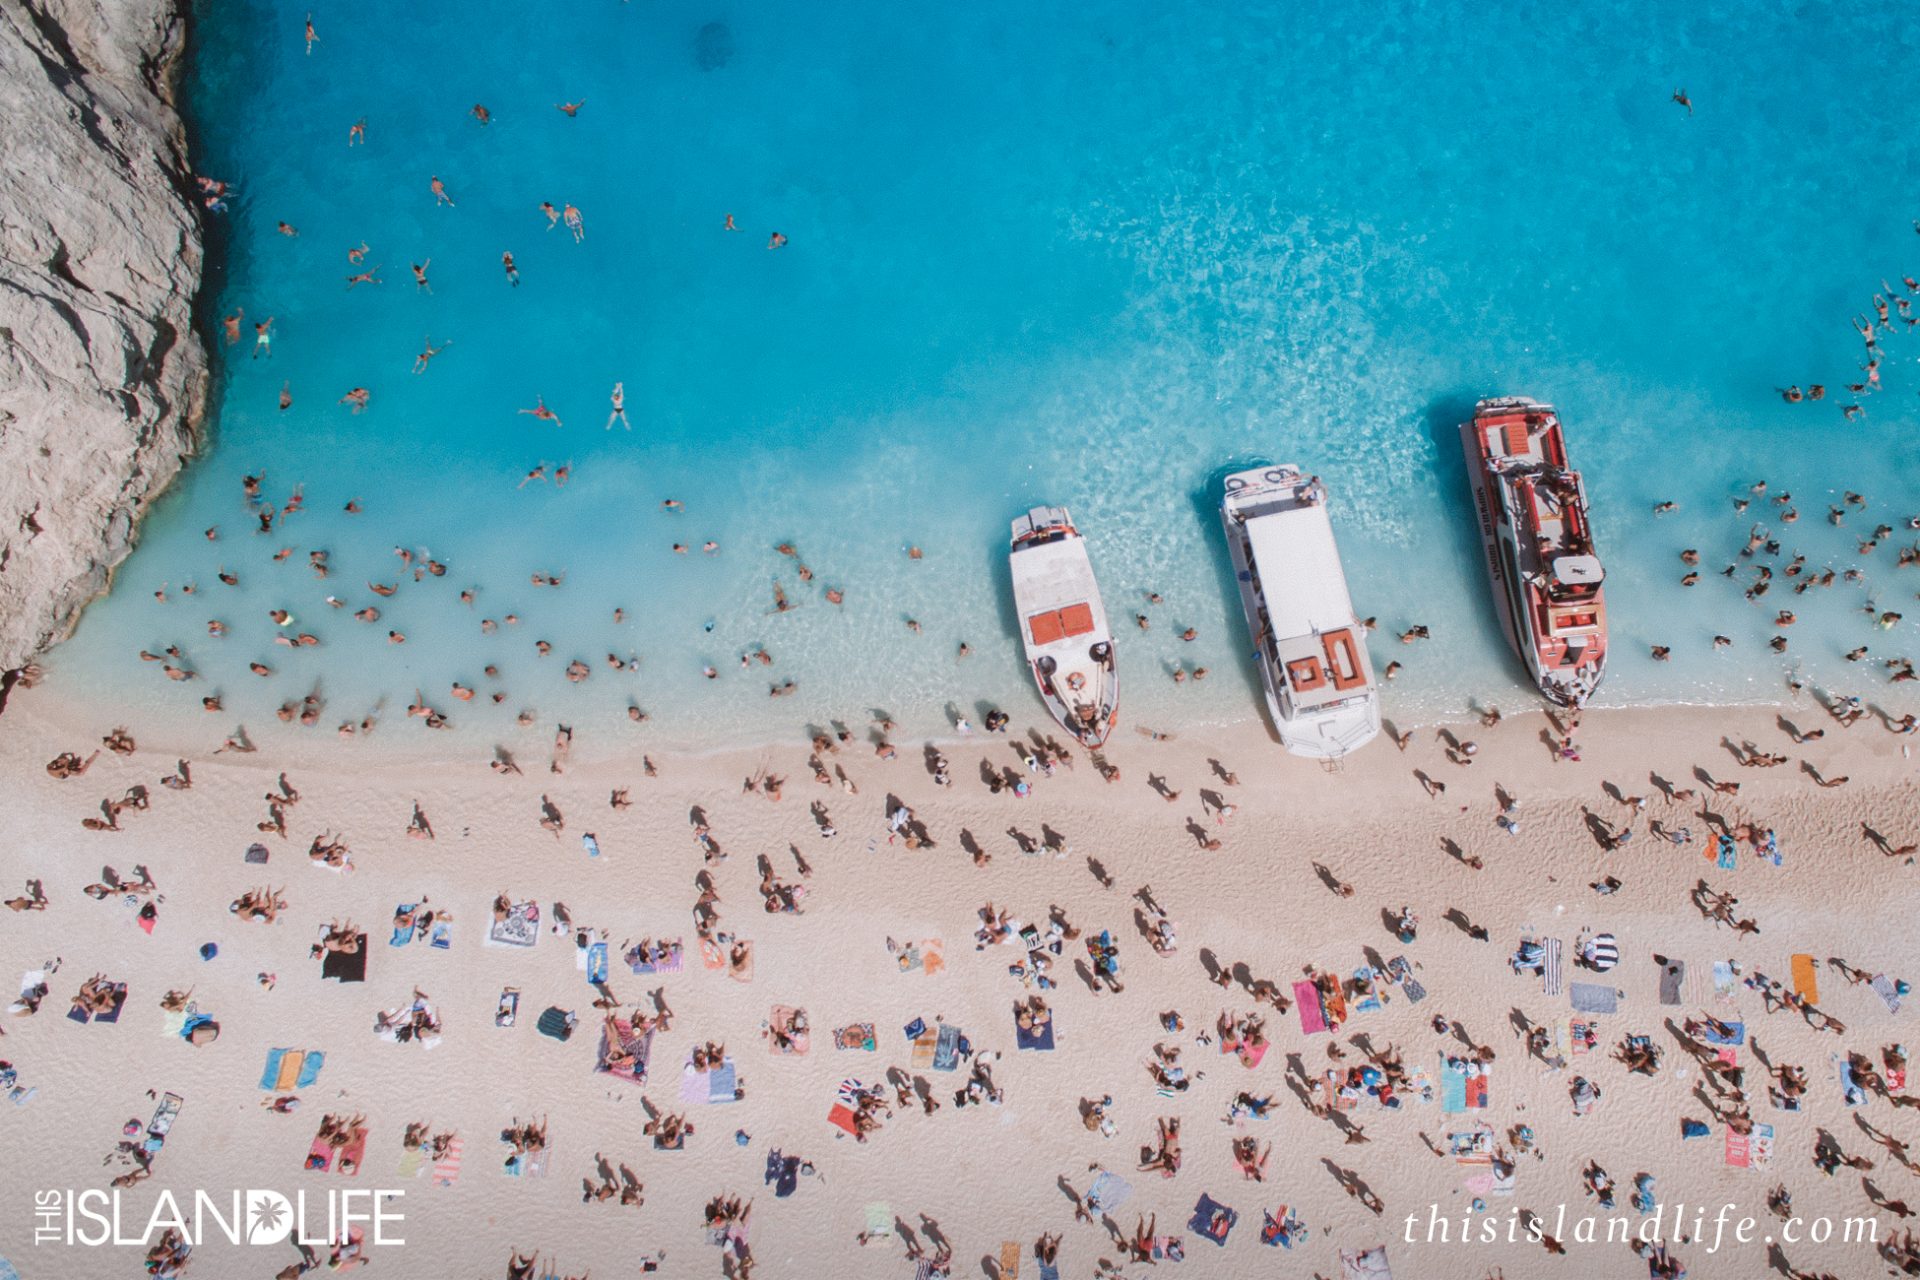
671,504
420,361
231,325
288,230
357,398
553,214
729,224
286,396
543,413
776,240
440,195
312,38
1680,96
481,114
357,135
569,109
263,339
575,223
619,413
357,256
420,276
513,272
369,276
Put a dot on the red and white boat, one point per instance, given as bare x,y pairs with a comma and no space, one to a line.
1531,507
1064,625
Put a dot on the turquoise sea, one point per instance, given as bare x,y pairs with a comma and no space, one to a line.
1097,255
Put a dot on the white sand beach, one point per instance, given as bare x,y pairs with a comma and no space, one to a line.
983,1174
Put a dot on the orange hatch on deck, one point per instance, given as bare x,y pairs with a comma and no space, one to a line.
1074,620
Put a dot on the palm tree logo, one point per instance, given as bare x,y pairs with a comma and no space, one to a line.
269,1217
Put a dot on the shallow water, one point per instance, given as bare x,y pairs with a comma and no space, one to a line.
1097,256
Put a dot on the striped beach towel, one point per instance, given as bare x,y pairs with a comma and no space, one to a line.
1551,970
1601,951
446,1170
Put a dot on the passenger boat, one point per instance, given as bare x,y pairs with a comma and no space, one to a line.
1309,646
1531,508
1063,624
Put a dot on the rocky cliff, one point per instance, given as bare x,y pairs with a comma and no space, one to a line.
102,377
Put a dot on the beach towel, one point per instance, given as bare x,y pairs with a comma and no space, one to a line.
639,1044
1212,1220
507,1012
346,966
924,1046
658,957
841,1117
711,955
933,956
412,1161
1402,972
319,1156
1768,847
1739,1153
1280,1227
1737,1034
1723,980
1038,1040
946,1052
1760,1148
290,1069
1672,974
1108,1192
164,1115
173,1022
352,1155
590,844
1883,987
446,1170
856,1035
1550,970
1365,1264
597,964
722,1081
694,1087
1009,1260
442,936
1366,983
1601,952
879,1217
783,1171
1591,997
1463,1087
520,927
403,933
1726,854
1806,981
529,1164
1306,998
799,1041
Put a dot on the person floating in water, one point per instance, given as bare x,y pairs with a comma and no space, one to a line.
440,195
312,37
513,272
619,413
541,411
1680,96
776,240
570,109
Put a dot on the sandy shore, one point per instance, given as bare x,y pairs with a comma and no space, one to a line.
984,1174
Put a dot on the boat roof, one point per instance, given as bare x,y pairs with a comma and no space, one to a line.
1055,591
1298,563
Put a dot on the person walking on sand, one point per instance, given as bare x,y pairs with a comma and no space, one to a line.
619,413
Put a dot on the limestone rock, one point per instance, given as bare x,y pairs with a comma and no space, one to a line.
102,376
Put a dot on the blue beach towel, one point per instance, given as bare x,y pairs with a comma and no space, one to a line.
1039,1040
1203,1221
946,1052
597,963
1738,1037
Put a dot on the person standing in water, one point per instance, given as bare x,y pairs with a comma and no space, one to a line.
619,413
